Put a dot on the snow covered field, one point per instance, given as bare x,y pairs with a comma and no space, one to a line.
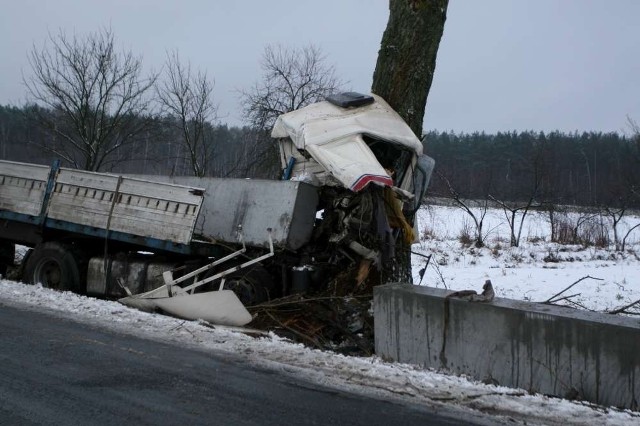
519,273
537,269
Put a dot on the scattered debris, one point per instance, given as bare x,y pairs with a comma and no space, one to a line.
487,294
343,324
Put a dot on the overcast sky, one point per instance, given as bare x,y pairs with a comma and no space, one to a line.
502,65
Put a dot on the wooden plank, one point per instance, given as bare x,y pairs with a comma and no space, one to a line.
66,206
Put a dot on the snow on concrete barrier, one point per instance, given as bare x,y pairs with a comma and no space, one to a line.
541,348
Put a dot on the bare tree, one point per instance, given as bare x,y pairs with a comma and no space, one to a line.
635,129
477,212
615,214
515,214
407,57
629,231
291,79
187,98
533,164
403,75
94,97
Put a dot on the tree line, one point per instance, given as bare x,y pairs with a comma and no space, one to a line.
587,169
157,150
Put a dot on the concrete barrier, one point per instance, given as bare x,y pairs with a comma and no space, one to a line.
541,348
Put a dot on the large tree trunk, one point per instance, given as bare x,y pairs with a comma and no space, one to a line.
403,76
407,56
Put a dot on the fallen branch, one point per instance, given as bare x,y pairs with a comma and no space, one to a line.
566,298
624,308
181,325
301,335
436,267
426,256
580,305
551,299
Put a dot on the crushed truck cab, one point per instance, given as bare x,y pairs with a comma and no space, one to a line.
349,147
369,164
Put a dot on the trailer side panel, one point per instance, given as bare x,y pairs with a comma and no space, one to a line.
22,187
99,203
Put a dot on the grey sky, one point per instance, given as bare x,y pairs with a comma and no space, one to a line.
502,65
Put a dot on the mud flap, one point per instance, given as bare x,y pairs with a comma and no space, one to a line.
220,307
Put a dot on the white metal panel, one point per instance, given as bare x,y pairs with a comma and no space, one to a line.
324,122
348,160
217,307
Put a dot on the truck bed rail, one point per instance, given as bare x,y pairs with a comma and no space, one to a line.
99,204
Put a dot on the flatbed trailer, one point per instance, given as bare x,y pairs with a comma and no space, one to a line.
96,219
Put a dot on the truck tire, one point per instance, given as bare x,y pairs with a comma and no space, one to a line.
253,285
54,266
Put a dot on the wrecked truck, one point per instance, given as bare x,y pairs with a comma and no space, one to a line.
204,248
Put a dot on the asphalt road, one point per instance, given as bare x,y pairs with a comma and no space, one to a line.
57,371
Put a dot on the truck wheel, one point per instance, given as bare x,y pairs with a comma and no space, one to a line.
54,266
252,285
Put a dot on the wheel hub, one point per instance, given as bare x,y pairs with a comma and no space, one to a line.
49,274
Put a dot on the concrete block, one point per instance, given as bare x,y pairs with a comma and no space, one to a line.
541,348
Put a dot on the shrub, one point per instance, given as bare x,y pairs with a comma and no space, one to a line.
465,235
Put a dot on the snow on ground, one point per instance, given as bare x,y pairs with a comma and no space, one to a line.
519,273
536,270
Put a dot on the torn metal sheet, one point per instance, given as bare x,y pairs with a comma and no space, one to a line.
218,307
